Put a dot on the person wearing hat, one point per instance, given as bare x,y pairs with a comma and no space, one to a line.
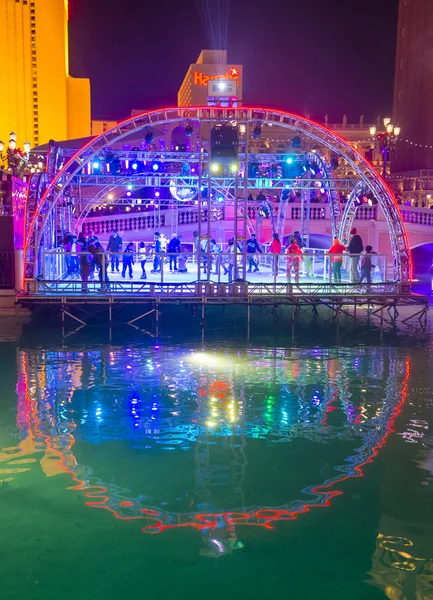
252,248
354,248
336,250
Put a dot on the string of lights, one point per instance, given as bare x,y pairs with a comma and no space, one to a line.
417,145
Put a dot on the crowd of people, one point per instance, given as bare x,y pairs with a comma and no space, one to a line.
361,264
86,259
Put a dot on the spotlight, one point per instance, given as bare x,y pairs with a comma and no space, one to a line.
96,165
155,166
157,194
234,167
134,166
128,194
215,167
371,199
129,187
221,85
188,131
257,132
149,137
289,160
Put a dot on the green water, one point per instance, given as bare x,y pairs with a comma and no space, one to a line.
156,470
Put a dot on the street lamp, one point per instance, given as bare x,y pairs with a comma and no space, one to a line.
14,159
385,141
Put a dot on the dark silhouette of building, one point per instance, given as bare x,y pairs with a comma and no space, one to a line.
413,88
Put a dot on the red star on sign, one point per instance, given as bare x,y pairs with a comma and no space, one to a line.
234,72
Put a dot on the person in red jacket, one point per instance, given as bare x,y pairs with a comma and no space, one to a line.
336,250
275,248
294,257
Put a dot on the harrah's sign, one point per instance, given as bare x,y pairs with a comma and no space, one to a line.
202,79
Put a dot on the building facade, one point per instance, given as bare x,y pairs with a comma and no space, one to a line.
211,64
39,99
413,87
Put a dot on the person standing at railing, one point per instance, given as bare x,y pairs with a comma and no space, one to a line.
294,257
308,264
100,260
173,249
215,250
336,252
157,252
142,253
355,247
252,248
84,270
230,261
114,246
182,260
72,258
275,249
366,265
128,260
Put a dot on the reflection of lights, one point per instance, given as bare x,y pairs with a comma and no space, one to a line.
99,496
203,358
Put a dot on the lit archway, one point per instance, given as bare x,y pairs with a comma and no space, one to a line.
399,240
41,211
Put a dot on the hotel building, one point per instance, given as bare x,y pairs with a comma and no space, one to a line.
39,99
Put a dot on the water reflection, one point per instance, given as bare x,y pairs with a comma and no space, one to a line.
398,571
212,440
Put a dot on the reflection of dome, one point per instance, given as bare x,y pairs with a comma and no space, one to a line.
182,194
178,405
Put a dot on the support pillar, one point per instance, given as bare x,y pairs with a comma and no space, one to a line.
19,270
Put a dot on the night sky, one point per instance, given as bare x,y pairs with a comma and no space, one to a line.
306,56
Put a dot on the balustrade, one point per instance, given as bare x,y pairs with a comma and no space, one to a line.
423,216
366,213
317,213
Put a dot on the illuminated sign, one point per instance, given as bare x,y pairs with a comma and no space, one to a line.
202,79
222,87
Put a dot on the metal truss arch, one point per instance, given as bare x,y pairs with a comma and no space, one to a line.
402,268
301,126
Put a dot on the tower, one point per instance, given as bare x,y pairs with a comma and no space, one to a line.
413,87
39,99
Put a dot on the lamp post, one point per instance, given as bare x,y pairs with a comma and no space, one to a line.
14,159
386,141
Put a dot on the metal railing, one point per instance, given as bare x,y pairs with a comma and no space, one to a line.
84,271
